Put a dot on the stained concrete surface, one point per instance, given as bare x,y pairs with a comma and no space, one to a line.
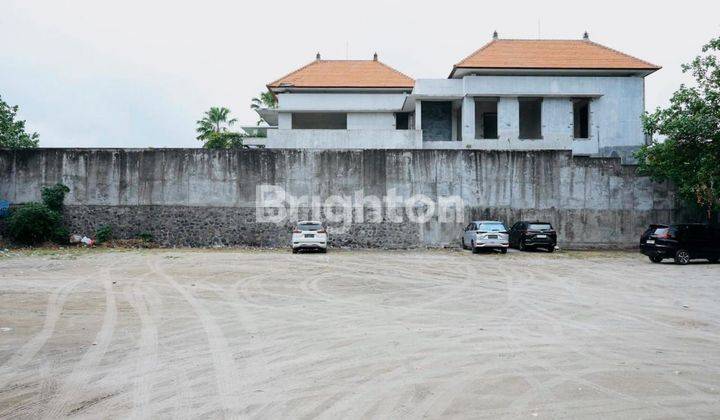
268,334
592,202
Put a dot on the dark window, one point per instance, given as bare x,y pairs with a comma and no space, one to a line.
540,226
486,119
319,121
436,120
581,118
530,118
309,226
402,120
696,233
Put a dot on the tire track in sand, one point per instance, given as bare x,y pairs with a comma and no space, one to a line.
74,385
27,352
147,353
225,368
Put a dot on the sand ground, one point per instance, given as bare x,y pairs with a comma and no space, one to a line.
365,334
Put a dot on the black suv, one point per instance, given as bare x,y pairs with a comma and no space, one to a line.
531,235
682,242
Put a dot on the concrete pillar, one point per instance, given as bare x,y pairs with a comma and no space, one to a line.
418,114
454,123
508,118
468,118
284,121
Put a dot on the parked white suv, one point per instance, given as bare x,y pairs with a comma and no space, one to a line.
488,234
309,234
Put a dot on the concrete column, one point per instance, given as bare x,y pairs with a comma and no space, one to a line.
453,123
418,114
468,118
508,118
284,121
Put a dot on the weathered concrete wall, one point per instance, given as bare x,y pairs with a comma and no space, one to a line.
200,197
615,111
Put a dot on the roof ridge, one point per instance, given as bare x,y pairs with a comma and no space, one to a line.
476,51
625,54
394,70
277,81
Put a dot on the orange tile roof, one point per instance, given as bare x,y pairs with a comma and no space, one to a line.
345,74
551,54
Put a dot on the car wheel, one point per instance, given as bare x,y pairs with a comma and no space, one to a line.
503,250
682,257
551,249
656,259
474,249
463,243
713,260
323,250
295,250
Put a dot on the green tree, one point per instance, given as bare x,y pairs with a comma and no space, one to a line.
12,132
224,140
214,130
33,223
54,196
265,100
689,154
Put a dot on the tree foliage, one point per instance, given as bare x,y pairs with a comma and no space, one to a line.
33,223
689,154
12,132
224,140
264,100
54,196
214,130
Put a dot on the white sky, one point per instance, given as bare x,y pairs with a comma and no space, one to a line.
140,73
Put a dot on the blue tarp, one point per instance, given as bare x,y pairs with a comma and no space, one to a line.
4,208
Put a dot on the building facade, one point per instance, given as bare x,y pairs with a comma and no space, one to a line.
510,94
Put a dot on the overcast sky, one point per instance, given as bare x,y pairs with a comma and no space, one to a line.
140,73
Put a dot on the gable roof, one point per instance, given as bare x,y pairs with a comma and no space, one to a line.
344,74
565,54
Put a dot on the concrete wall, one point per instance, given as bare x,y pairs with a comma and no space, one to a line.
371,120
201,197
344,139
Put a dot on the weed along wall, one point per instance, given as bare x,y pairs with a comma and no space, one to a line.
374,198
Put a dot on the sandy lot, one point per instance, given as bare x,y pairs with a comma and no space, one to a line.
367,334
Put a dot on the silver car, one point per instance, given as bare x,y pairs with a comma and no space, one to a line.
486,234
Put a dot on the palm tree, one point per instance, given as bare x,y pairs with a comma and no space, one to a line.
264,100
215,121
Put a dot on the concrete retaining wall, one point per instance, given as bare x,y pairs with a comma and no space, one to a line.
198,197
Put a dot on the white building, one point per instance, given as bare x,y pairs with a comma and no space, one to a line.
508,95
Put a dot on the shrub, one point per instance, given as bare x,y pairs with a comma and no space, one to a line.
33,223
61,235
54,196
145,236
103,234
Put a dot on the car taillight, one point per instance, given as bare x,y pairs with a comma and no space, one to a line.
321,231
297,231
480,231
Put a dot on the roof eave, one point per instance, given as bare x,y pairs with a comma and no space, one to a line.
639,71
283,89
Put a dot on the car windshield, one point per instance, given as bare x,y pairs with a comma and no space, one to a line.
539,226
492,227
309,226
